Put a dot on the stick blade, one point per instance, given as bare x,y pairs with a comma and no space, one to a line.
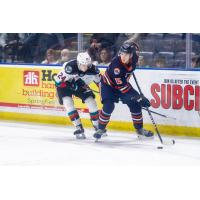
169,142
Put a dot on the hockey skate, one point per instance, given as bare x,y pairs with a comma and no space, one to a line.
95,128
99,133
79,132
144,134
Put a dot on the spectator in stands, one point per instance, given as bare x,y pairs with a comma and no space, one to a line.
2,45
160,62
65,53
35,46
102,40
196,62
10,43
142,62
105,57
51,57
3,39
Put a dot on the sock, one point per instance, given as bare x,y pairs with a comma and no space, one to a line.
74,116
94,117
137,120
104,118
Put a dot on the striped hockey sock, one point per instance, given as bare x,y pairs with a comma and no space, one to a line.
74,116
94,117
104,118
137,120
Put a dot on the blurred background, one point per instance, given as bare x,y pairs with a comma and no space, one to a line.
157,50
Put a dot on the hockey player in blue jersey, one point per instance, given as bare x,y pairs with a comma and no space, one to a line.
115,85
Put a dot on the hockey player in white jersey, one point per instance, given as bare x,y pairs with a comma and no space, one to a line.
74,79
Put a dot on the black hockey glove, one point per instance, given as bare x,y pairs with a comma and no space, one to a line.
142,100
78,84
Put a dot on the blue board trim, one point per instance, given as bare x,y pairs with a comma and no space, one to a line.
101,67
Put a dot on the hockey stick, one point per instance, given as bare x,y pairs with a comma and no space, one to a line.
165,116
151,117
95,91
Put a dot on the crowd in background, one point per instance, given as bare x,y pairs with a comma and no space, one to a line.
156,49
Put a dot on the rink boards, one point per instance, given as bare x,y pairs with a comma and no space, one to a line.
27,93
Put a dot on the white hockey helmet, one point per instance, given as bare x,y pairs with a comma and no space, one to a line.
84,59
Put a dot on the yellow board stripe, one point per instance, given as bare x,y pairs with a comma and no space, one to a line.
113,125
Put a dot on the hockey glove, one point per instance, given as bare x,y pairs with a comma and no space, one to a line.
57,84
142,100
60,84
78,84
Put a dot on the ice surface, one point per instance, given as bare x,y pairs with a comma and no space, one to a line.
33,144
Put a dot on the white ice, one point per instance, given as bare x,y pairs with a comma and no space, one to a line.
33,144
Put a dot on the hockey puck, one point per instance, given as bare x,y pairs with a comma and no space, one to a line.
159,147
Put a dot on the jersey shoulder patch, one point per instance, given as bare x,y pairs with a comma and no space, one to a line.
70,66
117,71
68,69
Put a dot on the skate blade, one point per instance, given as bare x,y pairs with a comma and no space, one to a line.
104,135
97,140
80,137
142,137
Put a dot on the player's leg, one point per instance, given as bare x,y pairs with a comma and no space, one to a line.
105,113
65,96
104,118
74,117
136,114
93,110
88,97
108,98
137,118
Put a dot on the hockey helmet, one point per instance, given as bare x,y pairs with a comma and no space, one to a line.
84,59
129,48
